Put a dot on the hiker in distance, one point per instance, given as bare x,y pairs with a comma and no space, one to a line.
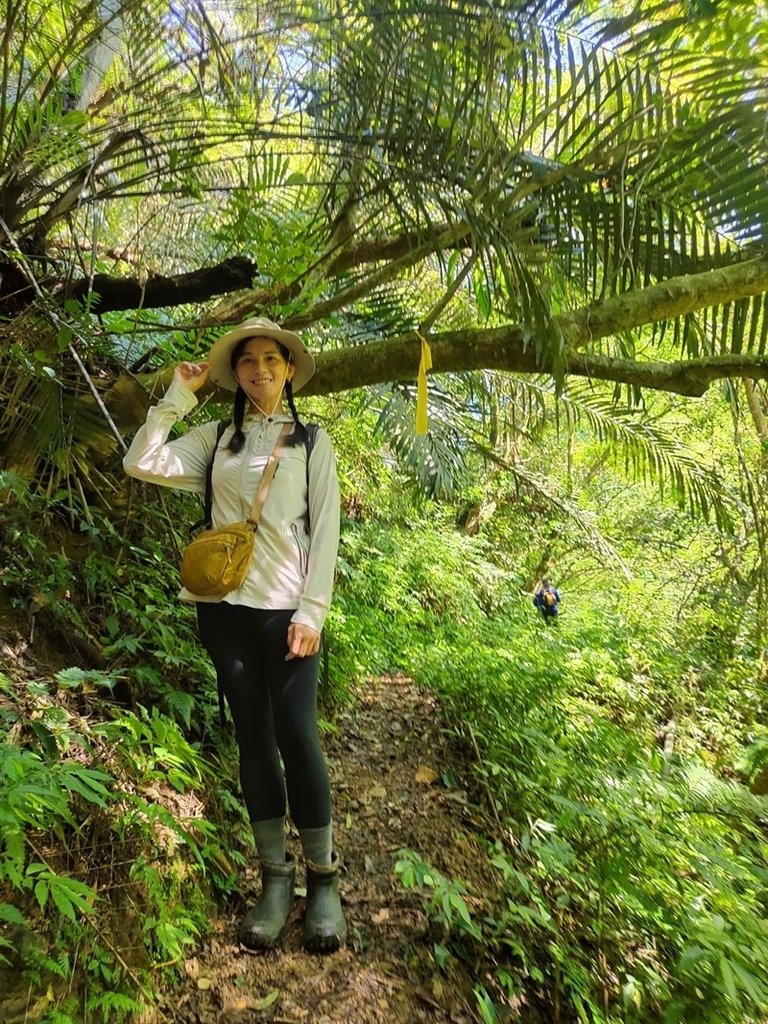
263,636
547,600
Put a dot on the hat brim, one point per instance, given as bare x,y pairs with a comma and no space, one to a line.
220,356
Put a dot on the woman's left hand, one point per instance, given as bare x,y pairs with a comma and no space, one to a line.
303,641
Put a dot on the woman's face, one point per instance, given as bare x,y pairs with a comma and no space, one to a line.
261,371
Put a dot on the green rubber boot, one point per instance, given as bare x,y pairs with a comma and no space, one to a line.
263,924
324,926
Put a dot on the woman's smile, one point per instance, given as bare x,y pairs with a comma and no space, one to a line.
262,371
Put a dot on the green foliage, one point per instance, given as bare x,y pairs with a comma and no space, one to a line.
83,773
449,908
615,855
155,880
115,594
629,882
581,151
753,762
395,587
630,877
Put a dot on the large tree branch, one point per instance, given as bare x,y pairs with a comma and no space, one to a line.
506,349
398,252
197,286
232,275
510,348
666,300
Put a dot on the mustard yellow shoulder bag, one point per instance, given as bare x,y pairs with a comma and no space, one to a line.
217,561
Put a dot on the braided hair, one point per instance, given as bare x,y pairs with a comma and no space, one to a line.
299,434
236,442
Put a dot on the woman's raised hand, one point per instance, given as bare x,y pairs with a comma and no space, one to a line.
192,375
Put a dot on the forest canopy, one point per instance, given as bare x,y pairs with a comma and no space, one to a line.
565,188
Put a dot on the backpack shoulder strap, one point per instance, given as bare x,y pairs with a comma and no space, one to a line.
221,426
312,431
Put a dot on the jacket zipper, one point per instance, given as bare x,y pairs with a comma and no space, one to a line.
303,554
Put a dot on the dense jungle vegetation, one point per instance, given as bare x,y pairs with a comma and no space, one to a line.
557,206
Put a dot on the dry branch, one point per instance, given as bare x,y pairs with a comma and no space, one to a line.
197,286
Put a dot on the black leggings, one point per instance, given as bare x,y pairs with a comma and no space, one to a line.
274,708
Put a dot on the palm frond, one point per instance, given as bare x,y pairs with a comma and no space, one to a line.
707,793
571,163
651,453
435,461
51,429
596,137
516,410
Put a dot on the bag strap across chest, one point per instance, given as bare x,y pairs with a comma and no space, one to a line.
267,477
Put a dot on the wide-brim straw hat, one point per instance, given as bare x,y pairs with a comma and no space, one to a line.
220,356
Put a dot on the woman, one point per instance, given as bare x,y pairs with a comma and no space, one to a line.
263,638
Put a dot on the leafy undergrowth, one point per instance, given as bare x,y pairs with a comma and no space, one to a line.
578,836
120,896
622,758
109,855
631,882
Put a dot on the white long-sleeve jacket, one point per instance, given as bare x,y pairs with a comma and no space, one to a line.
290,570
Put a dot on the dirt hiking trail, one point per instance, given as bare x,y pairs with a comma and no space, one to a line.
386,758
